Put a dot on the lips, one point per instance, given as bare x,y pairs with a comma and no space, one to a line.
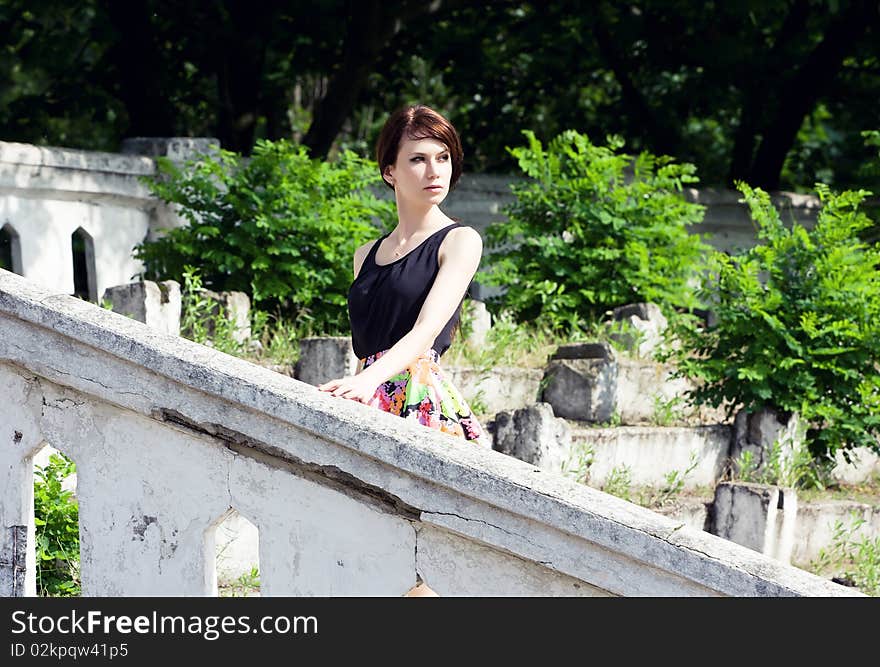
435,188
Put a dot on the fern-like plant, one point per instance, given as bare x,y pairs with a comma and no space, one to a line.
798,324
593,229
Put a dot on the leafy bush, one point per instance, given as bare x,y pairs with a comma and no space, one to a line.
593,229
798,324
56,516
280,226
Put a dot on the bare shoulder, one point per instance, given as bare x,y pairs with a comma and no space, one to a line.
462,245
464,238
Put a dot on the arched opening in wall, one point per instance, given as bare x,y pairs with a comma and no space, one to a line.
56,520
236,556
85,285
10,249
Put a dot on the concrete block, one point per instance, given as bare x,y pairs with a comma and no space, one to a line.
323,358
155,304
237,306
533,434
582,389
502,388
758,433
757,516
480,322
638,327
653,452
585,351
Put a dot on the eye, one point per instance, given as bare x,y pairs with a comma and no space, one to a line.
444,157
416,158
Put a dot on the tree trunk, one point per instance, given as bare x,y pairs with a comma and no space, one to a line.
367,31
758,89
800,94
661,134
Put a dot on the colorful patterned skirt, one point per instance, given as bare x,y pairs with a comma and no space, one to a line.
424,394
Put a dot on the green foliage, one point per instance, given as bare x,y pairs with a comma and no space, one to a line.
789,464
510,343
667,410
277,336
204,320
858,557
619,483
246,585
281,227
673,481
798,325
581,458
56,516
593,229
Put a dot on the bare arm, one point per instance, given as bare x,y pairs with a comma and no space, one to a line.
459,258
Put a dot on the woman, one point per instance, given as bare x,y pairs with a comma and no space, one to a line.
405,301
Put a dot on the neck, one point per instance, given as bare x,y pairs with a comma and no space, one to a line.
415,219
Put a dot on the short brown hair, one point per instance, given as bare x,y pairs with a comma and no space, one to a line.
418,122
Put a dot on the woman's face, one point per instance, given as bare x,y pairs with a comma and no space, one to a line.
422,171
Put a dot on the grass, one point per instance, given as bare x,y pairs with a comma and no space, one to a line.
852,558
246,585
509,343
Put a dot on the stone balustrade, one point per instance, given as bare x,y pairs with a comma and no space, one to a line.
169,437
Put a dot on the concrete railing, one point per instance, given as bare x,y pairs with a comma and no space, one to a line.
169,437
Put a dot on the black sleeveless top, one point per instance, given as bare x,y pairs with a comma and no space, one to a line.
384,300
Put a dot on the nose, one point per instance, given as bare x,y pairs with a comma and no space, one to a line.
432,171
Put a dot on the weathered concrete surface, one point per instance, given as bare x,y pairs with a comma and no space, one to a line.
757,433
756,516
693,512
580,382
236,307
534,435
815,526
155,304
323,358
652,452
864,464
48,193
174,148
480,322
503,388
647,393
592,382
196,432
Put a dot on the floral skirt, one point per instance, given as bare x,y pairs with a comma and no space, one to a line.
424,394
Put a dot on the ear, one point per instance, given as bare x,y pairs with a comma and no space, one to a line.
388,175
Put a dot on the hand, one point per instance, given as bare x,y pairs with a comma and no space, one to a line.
358,387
